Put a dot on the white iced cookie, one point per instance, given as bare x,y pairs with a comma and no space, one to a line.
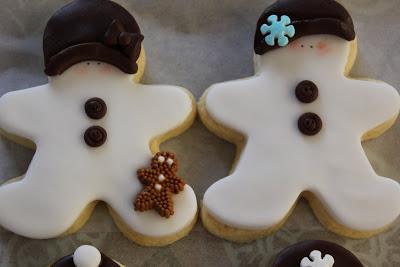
93,127
298,124
87,256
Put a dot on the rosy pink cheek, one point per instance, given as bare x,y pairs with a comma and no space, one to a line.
81,70
322,45
294,46
105,68
323,49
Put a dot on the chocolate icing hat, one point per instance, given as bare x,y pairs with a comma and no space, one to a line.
308,17
91,30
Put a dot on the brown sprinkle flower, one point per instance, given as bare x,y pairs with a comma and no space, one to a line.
160,181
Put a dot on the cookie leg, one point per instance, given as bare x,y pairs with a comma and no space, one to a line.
357,207
39,210
148,228
244,202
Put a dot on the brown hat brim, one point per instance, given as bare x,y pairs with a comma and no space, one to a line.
70,56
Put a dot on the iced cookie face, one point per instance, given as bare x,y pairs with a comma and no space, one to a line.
91,72
309,52
327,47
91,68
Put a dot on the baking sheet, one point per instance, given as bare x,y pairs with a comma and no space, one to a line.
194,44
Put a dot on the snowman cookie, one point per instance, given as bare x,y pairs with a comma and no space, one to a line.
298,124
316,253
94,128
86,256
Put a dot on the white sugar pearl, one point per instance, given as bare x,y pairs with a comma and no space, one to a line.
161,178
161,159
87,256
158,187
170,161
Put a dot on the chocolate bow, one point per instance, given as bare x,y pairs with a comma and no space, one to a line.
128,43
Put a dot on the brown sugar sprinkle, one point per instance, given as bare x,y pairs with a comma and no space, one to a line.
160,182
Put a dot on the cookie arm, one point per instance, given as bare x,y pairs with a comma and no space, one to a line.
223,104
379,105
166,109
20,113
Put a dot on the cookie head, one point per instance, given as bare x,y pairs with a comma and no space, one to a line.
288,20
91,30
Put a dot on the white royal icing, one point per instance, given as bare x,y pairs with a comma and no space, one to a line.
158,187
317,260
161,159
278,163
65,174
87,256
161,178
170,161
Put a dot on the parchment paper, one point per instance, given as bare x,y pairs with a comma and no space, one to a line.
194,44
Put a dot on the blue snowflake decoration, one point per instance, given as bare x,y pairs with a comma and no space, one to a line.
279,30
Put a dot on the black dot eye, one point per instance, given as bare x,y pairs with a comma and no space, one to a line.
98,63
311,46
87,63
302,45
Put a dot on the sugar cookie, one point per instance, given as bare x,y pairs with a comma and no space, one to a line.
298,124
94,126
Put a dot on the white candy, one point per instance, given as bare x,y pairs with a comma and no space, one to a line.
161,159
317,260
87,256
170,161
161,178
158,187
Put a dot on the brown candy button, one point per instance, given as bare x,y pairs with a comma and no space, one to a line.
95,136
306,92
310,124
95,108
